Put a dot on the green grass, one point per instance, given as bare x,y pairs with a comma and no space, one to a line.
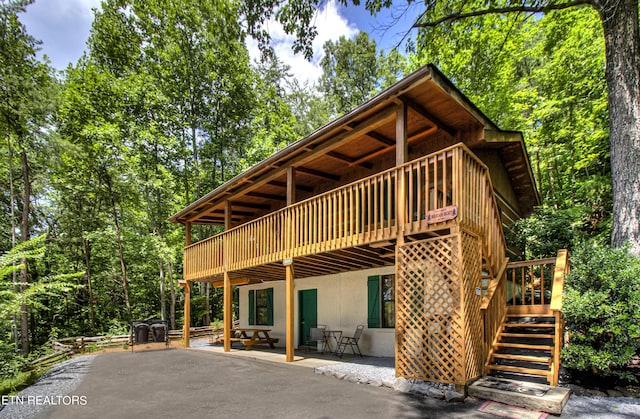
11,386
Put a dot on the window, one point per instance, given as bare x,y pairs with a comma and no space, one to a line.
381,301
261,307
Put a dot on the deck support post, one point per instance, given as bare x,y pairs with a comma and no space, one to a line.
402,153
227,215
402,144
226,314
289,294
227,293
187,233
187,314
291,186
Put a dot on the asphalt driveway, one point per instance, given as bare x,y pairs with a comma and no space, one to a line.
192,384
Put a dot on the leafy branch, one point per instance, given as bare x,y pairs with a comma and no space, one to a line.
11,300
499,10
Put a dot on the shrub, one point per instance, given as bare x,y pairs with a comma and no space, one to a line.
11,362
543,233
602,310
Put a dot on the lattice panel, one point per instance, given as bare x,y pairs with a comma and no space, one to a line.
429,328
472,279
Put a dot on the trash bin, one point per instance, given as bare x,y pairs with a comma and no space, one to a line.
157,331
142,333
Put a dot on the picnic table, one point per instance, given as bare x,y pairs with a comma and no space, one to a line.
249,337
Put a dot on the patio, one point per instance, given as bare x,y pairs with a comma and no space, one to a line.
303,358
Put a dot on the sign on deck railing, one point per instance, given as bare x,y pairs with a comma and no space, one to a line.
443,214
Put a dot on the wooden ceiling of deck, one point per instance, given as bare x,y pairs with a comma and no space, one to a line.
345,260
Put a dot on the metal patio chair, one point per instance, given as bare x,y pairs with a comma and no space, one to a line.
316,334
351,341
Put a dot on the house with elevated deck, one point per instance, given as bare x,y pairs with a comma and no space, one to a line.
392,217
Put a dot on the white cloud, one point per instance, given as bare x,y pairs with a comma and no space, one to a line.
62,25
330,25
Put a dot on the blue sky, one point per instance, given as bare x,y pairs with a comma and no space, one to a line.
63,27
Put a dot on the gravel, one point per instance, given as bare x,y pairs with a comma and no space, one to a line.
381,371
602,407
51,389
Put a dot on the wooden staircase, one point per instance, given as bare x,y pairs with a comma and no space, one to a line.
525,348
523,362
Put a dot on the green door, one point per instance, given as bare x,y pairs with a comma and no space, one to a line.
308,313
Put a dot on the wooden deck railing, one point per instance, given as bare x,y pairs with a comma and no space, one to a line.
494,309
530,282
362,212
478,208
561,270
537,287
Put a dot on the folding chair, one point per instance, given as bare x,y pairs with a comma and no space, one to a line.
316,334
351,341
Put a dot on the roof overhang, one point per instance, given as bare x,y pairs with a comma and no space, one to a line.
438,112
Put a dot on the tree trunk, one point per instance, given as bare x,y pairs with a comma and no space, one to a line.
172,290
207,308
24,236
163,285
12,214
185,168
196,165
622,43
87,264
123,268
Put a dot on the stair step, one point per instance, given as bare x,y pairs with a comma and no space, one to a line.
539,316
530,371
525,358
520,377
527,335
538,397
524,352
525,346
532,325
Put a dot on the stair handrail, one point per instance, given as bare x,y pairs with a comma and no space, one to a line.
560,272
493,285
494,310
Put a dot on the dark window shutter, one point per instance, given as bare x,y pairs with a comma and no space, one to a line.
270,306
252,307
373,301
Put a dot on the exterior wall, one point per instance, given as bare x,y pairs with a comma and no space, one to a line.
342,305
500,179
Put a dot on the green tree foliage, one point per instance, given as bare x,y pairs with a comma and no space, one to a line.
602,310
309,107
35,295
273,122
163,108
542,234
543,76
469,19
10,300
353,71
27,88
